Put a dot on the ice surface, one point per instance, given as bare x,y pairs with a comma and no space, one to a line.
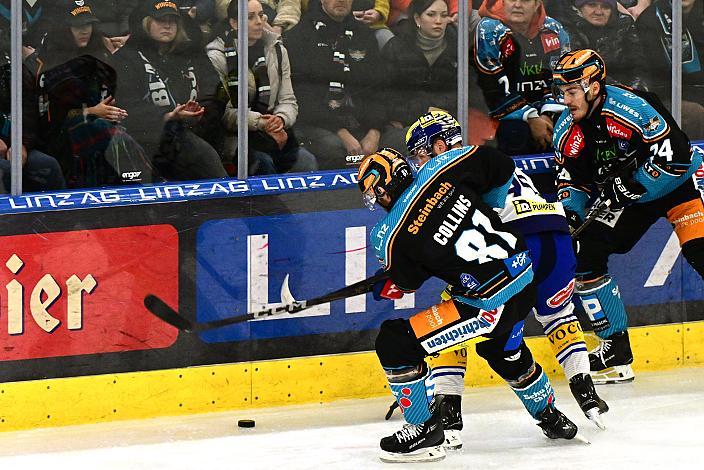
655,422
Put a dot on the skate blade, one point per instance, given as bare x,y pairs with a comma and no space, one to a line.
453,440
428,454
594,416
613,375
580,438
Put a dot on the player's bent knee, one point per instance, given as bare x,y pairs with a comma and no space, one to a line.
510,365
396,346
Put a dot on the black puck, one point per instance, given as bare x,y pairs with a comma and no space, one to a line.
245,423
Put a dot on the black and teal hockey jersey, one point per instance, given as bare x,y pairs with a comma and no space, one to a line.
441,226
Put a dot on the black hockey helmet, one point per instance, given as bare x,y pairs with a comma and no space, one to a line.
383,172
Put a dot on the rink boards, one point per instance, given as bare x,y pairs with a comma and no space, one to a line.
79,346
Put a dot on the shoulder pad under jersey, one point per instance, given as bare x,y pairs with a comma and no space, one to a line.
630,109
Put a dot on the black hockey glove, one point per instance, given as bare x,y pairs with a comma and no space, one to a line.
573,219
621,191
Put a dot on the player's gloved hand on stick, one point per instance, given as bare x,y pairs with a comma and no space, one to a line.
621,191
386,289
573,220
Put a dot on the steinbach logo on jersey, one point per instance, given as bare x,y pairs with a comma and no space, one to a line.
575,143
562,296
551,42
617,130
440,195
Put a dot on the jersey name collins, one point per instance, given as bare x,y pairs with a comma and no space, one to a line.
452,220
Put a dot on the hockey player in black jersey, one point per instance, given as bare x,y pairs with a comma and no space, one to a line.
545,230
438,225
619,148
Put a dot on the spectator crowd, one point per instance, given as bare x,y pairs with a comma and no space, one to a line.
141,91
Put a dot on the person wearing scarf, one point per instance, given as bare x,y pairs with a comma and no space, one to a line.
338,77
273,104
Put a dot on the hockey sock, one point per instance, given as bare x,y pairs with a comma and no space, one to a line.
411,391
534,391
602,302
566,340
447,371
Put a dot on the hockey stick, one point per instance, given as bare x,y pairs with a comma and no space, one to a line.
163,311
595,212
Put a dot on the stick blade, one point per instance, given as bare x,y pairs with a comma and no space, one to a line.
167,314
286,295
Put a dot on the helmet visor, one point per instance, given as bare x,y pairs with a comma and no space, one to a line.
559,88
369,199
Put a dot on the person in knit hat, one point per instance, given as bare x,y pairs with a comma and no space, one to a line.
516,45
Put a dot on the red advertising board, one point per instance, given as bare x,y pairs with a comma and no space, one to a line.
81,292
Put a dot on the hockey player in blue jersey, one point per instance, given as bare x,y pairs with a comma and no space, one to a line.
439,225
545,229
619,148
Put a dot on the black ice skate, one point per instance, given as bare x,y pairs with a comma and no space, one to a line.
415,442
584,392
556,425
451,414
610,362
